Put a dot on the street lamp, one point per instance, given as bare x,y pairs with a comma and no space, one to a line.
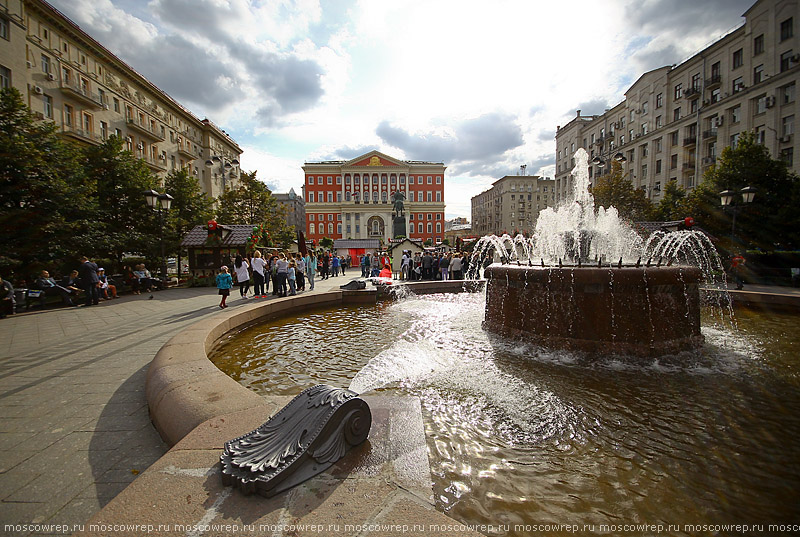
599,162
226,166
161,203
726,198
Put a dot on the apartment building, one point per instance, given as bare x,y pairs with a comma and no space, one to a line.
295,209
72,80
352,199
675,120
512,205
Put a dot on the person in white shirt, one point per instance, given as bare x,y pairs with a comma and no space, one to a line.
260,283
240,268
283,274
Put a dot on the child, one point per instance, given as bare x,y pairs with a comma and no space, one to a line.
292,279
224,284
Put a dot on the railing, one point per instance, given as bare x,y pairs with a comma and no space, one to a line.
711,133
713,81
85,95
83,135
689,141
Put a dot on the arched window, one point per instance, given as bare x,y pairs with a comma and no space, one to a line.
347,196
311,229
384,197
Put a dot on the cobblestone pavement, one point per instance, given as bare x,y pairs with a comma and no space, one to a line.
74,423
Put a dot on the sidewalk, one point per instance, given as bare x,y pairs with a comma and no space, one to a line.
73,417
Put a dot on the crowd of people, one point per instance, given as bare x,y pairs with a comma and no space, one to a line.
85,286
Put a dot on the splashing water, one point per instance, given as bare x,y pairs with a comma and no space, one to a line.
577,232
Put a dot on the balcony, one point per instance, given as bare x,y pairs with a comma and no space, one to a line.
688,166
713,82
689,141
184,151
710,134
143,128
82,95
691,93
155,164
708,161
81,135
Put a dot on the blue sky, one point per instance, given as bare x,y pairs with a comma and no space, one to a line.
480,86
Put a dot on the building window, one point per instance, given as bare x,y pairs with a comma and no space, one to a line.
5,77
736,114
430,196
67,115
658,143
438,179
738,58
48,107
45,64
311,197
693,106
438,227
676,114
696,84
338,179
758,74
761,104
787,125
104,130
738,84
330,229
330,197
644,171
430,216
339,197
312,229
347,196
658,167
430,227
438,196
330,180
430,180
4,29
659,100
678,91
310,179
787,156
659,123
786,61
787,94
644,151
716,94
644,128
374,179
347,179
787,29
673,162
384,180
734,140
339,229
312,217
758,45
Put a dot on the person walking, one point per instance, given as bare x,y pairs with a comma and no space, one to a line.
365,265
301,271
427,266
455,267
374,265
326,264
343,263
335,265
291,277
311,267
224,284
240,267
282,267
444,267
259,275
89,281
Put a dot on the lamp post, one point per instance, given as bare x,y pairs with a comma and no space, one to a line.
600,162
726,197
161,203
226,166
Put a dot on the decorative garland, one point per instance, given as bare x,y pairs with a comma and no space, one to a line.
259,238
214,233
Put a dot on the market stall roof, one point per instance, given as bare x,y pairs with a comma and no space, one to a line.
367,244
236,235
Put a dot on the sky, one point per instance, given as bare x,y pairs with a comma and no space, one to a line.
477,85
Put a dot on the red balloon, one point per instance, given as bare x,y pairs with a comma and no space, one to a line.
688,221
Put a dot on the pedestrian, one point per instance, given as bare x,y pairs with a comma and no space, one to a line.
311,267
737,264
326,264
335,265
343,263
405,265
8,302
365,265
273,270
455,267
374,265
90,283
444,267
240,267
224,284
301,271
282,269
291,277
427,266
259,276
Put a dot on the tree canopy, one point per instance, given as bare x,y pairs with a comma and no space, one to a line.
617,190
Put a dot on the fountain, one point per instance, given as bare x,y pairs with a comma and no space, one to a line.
580,283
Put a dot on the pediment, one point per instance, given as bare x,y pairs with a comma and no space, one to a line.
376,159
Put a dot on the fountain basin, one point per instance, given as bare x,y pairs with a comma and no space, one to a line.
642,311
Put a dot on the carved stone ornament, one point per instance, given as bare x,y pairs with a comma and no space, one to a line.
302,440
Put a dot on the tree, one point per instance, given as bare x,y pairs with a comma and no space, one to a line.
122,220
190,207
253,203
772,218
326,242
42,192
616,190
672,203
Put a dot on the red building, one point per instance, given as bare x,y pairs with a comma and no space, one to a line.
353,199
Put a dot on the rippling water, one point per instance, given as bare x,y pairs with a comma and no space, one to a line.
523,435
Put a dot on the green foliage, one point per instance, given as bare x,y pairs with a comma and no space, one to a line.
252,203
446,242
121,219
772,219
615,189
190,207
428,242
42,190
326,242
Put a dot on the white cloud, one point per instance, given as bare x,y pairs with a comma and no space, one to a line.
481,84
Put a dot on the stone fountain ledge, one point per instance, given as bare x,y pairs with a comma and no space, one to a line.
382,487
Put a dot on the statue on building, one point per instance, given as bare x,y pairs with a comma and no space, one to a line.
399,215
